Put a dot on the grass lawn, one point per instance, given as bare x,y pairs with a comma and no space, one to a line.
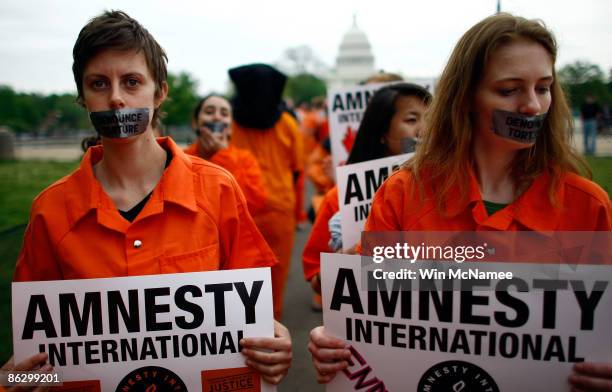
602,172
21,181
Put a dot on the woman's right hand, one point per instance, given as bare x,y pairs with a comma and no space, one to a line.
329,354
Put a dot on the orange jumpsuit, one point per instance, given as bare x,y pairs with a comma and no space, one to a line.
318,241
582,206
279,152
245,169
316,171
309,126
195,220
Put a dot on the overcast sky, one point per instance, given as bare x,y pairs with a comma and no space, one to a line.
205,37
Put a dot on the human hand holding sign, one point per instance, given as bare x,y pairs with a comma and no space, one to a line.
271,357
591,376
36,362
329,354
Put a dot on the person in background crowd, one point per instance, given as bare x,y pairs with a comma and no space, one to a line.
590,113
273,137
471,173
320,171
212,122
315,129
138,205
393,120
383,77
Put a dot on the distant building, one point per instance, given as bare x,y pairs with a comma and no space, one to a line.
355,61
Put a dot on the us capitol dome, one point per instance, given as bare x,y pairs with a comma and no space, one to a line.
355,61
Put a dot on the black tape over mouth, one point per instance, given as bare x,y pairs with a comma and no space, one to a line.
516,126
120,123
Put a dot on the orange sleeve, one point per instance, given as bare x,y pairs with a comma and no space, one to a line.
192,149
385,213
598,214
241,243
38,259
318,241
604,218
316,170
247,172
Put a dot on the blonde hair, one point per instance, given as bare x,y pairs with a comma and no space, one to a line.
383,77
444,158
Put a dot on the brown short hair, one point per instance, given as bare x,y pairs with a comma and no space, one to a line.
445,154
117,30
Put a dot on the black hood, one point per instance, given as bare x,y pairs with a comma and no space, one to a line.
259,87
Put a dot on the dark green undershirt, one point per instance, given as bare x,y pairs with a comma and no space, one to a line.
492,208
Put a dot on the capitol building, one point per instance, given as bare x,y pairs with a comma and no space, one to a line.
355,61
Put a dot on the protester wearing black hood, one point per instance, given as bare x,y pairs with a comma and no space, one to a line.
263,127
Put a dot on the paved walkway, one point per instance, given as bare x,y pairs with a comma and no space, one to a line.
300,320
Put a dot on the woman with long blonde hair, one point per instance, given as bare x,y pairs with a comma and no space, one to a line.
496,155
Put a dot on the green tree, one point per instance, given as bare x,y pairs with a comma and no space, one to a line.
182,97
581,78
304,87
66,115
36,113
22,112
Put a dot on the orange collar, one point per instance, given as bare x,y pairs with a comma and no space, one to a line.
533,209
84,193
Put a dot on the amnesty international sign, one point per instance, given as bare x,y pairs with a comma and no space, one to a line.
491,327
346,108
357,184
174,331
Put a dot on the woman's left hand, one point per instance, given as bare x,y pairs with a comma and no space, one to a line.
591,376
35,363
271,357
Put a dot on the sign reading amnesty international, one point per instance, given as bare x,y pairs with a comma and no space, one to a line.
346,106
176,331
357,184
521,332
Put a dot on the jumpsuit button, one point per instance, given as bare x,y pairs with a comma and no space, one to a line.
137,244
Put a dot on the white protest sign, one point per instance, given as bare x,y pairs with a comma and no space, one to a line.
357,184
518,334
174,331
346,106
